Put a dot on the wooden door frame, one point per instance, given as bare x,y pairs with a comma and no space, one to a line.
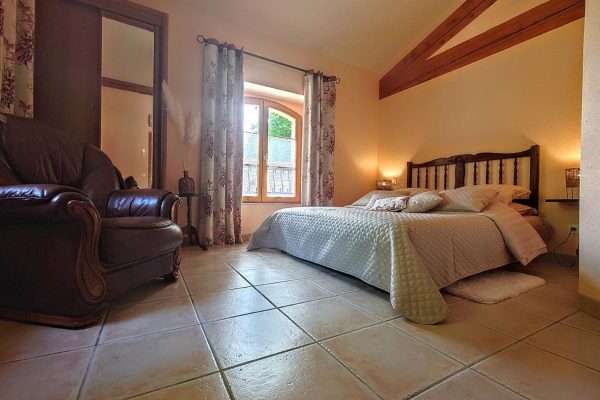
145,17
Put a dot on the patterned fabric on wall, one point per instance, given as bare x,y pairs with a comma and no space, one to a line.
17,27
318,141
222,145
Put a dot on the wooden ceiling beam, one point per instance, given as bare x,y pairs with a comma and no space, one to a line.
456,22
532,23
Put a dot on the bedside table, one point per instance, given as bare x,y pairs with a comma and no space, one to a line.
189,229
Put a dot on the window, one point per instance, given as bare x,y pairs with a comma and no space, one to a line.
272,143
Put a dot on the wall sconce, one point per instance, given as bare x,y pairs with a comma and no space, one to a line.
384,184
572,178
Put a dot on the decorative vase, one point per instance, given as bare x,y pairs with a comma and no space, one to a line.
186,184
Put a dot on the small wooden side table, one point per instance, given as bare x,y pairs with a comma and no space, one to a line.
191,230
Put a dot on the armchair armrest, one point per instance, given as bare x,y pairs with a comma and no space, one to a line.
142,203
37,203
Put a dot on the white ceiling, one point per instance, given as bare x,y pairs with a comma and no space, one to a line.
373,34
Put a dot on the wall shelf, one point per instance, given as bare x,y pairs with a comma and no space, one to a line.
570,201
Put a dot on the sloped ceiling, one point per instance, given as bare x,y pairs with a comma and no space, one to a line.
373,34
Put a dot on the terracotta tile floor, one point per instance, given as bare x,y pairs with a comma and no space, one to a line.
263,325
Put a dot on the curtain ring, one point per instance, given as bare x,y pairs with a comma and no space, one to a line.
201,39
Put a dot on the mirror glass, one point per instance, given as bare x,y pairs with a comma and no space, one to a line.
126,133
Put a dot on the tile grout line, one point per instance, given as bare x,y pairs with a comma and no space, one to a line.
142,335
555,354
551,322
97,344
210,347
474,363
314,341
354,374
135,396
47,354
469,365
499,383
466,366
381,322
89,363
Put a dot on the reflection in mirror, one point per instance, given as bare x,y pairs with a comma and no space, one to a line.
127,98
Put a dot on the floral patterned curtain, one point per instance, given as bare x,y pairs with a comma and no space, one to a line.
222,144
17,22
318,141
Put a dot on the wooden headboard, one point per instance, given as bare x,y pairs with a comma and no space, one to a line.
482,168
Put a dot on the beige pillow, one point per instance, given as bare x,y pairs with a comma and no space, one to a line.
411,191
389,204
467,198
423,202
507,193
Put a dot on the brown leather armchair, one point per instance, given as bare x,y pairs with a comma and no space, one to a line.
71,239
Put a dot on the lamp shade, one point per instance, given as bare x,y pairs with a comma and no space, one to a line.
384,184
572,177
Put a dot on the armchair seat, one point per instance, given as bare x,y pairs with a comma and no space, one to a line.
72,238
128,239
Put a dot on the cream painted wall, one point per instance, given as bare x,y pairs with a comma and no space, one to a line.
357,116
589,265
528,94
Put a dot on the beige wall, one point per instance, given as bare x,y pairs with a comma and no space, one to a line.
356,122
528,94
589,266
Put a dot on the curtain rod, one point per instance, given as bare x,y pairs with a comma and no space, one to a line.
202,39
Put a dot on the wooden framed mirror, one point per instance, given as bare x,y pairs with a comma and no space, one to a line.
106,60
126,97
133,65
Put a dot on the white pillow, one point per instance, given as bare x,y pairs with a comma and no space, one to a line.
378,196
467,198
507,193
389,204
423,202
363,201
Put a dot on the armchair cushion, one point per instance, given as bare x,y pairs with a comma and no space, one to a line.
43,203
128,239
140,202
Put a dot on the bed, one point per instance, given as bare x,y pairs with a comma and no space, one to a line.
412,256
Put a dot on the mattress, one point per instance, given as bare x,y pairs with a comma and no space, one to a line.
409,255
